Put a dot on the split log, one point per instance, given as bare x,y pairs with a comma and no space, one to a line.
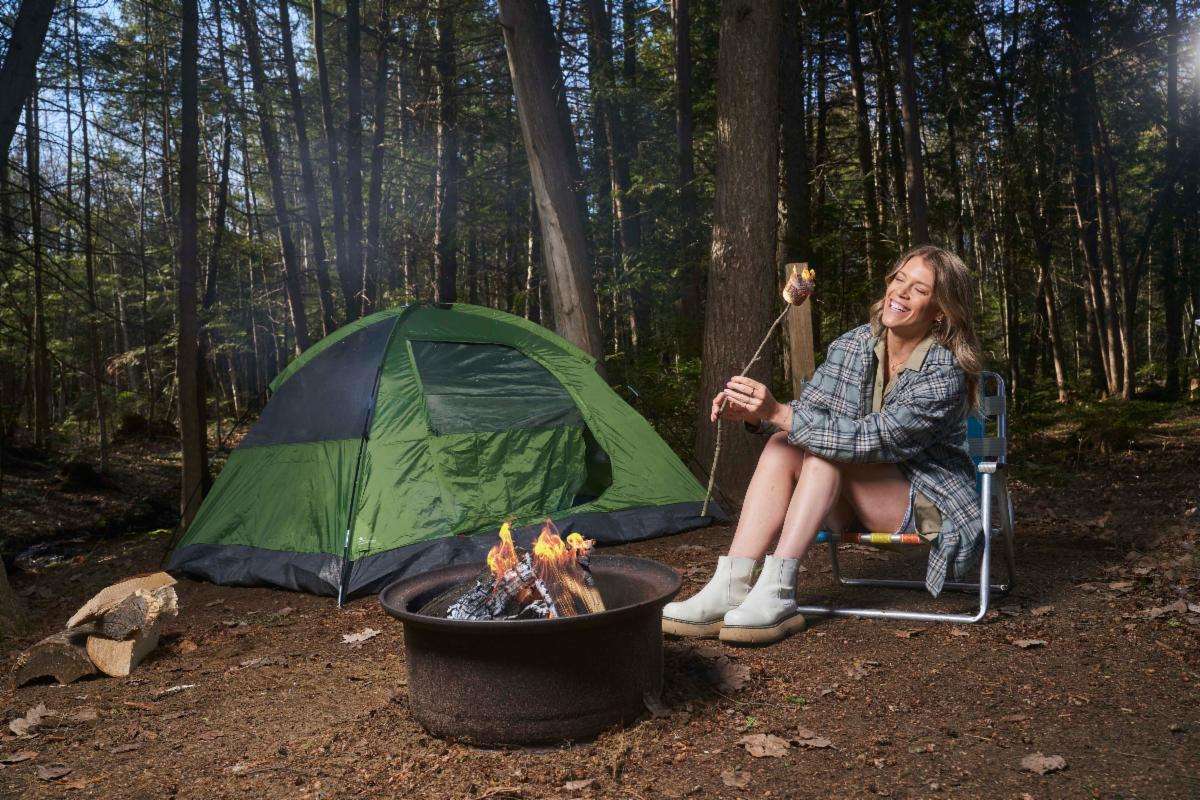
118,658
106,599
138,612
63,656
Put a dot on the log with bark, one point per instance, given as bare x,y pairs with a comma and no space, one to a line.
62,656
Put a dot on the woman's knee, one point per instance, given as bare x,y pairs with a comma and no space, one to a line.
779,452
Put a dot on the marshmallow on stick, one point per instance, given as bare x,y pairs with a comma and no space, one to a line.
800,284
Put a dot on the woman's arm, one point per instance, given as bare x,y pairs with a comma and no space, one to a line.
910,422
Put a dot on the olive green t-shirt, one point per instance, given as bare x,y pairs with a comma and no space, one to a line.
926,517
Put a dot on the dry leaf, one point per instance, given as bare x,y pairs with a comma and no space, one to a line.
183,687
805,733
356,639
1178,607
818,742
728,676
1042,611
209,736
908,634
735,778
1042,764
575,786
82,782
125,748
21,726
959,632
764,745
83,715
53,772
1121,586
18,757
1026,644
187,646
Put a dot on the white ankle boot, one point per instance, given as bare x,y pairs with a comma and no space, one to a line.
701,614
769,611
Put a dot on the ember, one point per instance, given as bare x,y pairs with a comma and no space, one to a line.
552,580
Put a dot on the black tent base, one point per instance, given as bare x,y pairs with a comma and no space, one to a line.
321,573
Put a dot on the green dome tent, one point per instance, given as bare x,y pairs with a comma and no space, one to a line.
400,442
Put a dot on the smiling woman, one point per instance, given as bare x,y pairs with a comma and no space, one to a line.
874,442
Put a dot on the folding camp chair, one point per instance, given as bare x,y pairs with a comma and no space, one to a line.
989,454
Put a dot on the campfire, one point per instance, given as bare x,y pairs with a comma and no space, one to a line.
552,580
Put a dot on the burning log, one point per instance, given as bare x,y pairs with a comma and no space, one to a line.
552,580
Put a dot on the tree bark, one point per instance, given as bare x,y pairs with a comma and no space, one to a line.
874,255
308,181
1173,288
554,169
270,143
346,279
18,73
193,438
741,282
917,207
446,233
354,188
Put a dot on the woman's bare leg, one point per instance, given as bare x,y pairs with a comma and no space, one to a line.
875,494
767,498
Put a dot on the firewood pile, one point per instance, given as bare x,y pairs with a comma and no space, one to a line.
110,634
551,580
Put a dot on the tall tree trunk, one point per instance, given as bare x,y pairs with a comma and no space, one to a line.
218,221
375,255
614,115
554,169
741,282
270,143
874,253
18,73
192,433
308,181
533,257
689,246
41,354
354,188
446,233
1173,287
346,278
89,254
917,208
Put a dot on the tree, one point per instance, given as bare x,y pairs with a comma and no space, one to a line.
193,437
741,281
554,169
917,207
270,144
866,166
446,233
354,187
17,75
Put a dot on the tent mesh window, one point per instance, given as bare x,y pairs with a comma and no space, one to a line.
472,388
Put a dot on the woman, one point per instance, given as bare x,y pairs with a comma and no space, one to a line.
875,442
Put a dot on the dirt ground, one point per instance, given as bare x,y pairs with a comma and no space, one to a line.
253,693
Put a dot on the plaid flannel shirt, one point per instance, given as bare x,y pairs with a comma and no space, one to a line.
921,429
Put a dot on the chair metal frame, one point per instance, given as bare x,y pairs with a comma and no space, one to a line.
990,456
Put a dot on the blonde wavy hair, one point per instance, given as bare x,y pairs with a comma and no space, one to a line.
953,291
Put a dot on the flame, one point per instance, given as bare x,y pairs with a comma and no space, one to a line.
503,557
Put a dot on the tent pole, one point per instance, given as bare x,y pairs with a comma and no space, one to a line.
344,577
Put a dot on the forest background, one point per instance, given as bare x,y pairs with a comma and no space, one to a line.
191,193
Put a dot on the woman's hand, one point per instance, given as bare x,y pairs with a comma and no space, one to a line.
750,401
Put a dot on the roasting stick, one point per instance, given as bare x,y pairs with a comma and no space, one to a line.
799,286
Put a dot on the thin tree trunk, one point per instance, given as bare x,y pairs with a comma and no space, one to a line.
346,277
375,255
917,207
354,188
192,433
533,257
89,254
270,143
308,181
874,253
554,168
41,354
742,281
689,249
1173,287
446,232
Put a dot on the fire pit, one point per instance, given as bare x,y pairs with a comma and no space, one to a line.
541,680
